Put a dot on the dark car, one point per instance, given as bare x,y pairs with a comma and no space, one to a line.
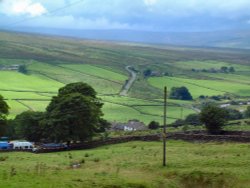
50,147
53,146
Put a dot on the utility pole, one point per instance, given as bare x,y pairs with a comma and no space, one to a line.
164,126
181,112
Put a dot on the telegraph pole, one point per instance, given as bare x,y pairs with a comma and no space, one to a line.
164,126
181,112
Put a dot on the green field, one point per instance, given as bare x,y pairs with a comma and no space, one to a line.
20,82
131,165
53,62
202,87
98,72
210,64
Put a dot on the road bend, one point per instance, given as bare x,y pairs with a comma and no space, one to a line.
128,84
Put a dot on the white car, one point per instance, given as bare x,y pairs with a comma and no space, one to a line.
22,145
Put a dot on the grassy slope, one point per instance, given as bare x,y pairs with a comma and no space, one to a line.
209,64
134,164
203,87
17,81
66,75
98,72
55,61
207,83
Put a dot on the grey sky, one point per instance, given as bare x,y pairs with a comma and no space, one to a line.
153,15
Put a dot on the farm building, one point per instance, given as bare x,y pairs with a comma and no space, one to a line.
131,125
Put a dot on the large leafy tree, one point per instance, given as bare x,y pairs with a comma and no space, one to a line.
213,117
75,114
4,111
27,126
78,87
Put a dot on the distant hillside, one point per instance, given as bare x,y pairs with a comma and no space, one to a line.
227,39
53,61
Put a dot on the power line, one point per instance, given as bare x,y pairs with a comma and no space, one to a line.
47,14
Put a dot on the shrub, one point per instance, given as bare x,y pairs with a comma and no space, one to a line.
3,158
193,119
153,125
178,123
233,114
96,160
180,93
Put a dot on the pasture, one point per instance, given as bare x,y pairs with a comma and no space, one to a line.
133,165
204,87
53,62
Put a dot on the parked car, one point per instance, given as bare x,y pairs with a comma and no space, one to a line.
50,146
22,145
5,145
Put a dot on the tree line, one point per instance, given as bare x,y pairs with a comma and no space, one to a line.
213,117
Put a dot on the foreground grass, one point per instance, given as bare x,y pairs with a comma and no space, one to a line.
134,164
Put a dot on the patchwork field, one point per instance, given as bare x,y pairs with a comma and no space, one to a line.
53,62
134,164
203,87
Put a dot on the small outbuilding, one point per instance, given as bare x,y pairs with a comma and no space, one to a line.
131,125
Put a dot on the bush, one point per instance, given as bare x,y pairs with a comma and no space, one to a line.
96,160
153,125
22,69
233,114
180,93
178,123
193,119
3,158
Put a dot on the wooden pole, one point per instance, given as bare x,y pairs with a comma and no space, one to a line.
164,126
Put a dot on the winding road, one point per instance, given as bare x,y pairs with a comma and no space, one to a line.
128,84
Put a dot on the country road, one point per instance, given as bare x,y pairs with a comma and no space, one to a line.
128,84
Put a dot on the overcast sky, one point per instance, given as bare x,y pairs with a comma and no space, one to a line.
152,15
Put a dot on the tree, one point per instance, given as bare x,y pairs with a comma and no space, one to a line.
153,125
147,73
4,111
233,114
193,119
231,69
27,126
78,87
180,93
22,69
75,114
247,112
213,117
224,69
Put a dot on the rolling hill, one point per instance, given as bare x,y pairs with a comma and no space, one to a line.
221,38
54,61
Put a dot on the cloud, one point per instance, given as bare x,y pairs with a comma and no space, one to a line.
150,2
77,23
161,15
22,7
